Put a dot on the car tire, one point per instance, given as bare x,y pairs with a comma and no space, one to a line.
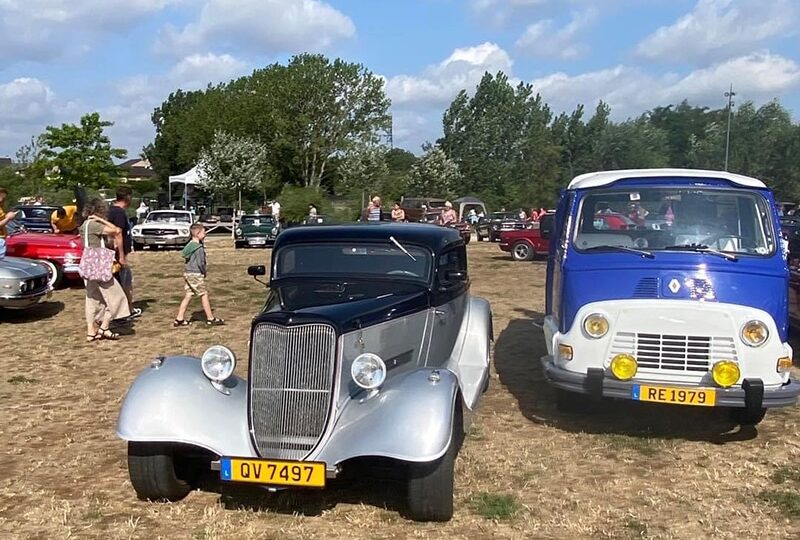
56,274
522,251
430,485
745,417
151,468
237,245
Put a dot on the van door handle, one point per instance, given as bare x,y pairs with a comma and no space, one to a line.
439,312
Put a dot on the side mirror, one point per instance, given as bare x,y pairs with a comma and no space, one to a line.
257,270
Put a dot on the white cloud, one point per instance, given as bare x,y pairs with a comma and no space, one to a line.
25,100
719,29
261,27
543,39
198,70
500,12
630,91
439,84
43,30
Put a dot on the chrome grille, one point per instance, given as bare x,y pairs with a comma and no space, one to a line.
159,232
672,352
291,380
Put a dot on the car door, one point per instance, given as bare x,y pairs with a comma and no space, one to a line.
449,305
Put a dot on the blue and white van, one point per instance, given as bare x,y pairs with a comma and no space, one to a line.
669,286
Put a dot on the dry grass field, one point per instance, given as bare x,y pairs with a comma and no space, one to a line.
525,470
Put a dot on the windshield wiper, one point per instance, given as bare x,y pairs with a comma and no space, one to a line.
641,252
400,246
699,248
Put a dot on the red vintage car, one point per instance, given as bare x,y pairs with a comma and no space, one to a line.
62,252
525,244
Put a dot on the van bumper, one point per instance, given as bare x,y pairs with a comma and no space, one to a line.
752,394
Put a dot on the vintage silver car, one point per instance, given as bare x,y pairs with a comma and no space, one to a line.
23,282
369,346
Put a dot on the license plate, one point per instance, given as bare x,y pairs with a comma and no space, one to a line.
272,472
257,241
703,397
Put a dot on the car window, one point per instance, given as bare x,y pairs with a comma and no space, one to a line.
375,259
168,217
257,220
454,260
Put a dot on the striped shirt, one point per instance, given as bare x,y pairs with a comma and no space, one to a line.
374,213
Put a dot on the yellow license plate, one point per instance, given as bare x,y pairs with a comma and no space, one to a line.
704,397
273,472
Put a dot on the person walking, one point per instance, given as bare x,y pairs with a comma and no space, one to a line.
194,277
105,300
118,215
398,214
5,217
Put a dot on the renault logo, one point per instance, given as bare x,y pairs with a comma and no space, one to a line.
674,286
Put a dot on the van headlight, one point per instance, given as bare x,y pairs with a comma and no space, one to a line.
368,371
755,333
218,363
595,325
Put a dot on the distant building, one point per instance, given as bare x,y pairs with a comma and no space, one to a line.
137,169
6,162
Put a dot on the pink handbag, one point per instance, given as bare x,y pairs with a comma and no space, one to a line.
96,262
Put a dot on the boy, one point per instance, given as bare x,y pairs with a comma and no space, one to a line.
194,277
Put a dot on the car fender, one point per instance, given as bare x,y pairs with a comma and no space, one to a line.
175,402
409,419
471,354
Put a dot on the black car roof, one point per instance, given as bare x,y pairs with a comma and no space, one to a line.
431,236
258,216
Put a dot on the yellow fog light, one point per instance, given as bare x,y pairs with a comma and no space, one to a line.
725,373
624,367
784,364
755,333
595,325
565,351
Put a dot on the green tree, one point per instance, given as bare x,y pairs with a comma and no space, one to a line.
434,175
233,164
80,154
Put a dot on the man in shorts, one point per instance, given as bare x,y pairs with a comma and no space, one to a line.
117,214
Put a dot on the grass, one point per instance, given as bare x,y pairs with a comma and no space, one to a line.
495,506
785,474
642,445
637,528
22,379
787,502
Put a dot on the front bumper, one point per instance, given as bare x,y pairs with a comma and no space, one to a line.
752,393
162,240
256,241
22,301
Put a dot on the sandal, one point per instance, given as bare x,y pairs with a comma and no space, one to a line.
105,333
93,337
216,321
180,322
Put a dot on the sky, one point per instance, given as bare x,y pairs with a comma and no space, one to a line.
60,59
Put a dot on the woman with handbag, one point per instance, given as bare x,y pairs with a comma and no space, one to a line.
105,299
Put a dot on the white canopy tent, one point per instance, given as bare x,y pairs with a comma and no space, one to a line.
189,178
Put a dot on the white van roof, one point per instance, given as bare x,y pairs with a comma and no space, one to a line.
604,178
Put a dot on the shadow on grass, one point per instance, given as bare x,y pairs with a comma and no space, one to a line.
41,311
517,352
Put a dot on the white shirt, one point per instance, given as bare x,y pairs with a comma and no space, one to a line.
276,208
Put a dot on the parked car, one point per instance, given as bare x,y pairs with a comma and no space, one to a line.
256,230
35,217
490,226
612,221
463,228
695,314
23,282
369,346
415,207
163,228
61,253
526,244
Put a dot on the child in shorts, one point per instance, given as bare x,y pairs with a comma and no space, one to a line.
194,277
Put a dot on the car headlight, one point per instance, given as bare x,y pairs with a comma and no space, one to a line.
136,232
368,371
183,232
218,363
238,232
755,333
595,325
725,373
275,230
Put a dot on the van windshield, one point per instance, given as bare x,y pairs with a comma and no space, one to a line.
675,219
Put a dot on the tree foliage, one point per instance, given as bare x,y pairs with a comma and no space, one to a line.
80,154
434,175
232,164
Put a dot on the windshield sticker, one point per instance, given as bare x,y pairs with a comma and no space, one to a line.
635,196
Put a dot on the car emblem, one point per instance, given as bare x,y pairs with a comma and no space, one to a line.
674,286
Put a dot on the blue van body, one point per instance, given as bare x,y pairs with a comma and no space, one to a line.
678,308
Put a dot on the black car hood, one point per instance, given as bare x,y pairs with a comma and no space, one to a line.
344,313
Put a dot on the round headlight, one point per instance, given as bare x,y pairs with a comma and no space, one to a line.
755,333
725,373
274,230
595,325
624,367
238,232
368,371
218,363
